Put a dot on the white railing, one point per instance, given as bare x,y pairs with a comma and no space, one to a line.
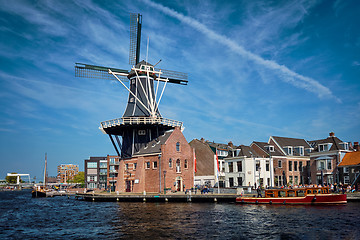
140,120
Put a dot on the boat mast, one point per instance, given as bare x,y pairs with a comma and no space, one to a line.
45,169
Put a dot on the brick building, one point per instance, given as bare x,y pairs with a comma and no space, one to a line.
290,158
206,166
66,172
166,162
325,156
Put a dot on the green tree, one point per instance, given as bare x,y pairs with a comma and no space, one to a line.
11,179
79,178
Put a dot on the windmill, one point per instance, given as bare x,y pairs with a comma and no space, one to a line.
141,121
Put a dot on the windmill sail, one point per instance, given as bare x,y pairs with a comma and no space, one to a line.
135,38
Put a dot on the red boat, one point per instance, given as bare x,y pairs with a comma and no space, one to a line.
306,195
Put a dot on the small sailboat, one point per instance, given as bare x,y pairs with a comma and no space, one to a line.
42,190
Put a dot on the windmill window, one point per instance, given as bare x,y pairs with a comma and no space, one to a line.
142,67
142,132
178,146
133,81
132,99
185,163
170,163
178,167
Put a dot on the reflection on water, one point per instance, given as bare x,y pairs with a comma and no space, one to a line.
22,217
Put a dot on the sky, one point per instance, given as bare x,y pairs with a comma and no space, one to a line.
256,69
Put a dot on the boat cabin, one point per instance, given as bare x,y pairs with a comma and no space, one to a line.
297,192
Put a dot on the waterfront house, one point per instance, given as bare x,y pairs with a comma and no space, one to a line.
206,166
289,157
245,168
164,164
210,163
349,168
325,155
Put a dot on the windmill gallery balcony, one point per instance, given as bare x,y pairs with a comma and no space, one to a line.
140,121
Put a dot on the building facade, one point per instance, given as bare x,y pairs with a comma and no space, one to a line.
66,172
290,159
206,163
96,173
164,164
245,168
325,156
349,169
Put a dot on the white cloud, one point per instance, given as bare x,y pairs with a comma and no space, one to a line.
283,72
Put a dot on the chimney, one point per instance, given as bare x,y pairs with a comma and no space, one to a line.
332,134
202,140
356,146
230,144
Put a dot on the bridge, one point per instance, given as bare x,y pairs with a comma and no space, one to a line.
18,175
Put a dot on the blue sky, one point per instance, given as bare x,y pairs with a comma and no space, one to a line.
256,69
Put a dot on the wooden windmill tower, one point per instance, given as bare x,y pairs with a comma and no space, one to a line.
141,121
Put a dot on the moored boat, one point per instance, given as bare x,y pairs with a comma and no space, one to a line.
306,195
42,191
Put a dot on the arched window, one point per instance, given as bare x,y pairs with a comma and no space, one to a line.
185,163
178,146
178,166
170,163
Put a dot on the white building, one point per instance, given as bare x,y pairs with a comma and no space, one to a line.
246,169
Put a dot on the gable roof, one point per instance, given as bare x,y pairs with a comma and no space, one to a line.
155,145
350,159
331,139
262,146
291,142
247,151
204,158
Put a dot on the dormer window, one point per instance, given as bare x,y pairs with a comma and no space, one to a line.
288,150
345,145
324,147
308,150
270,148
300,150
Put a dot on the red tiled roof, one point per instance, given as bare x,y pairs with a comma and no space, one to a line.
350,159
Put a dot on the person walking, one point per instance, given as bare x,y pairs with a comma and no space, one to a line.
259,191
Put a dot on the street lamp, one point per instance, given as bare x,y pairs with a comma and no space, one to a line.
259,176
164,182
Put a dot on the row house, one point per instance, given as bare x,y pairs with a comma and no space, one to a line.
206,165
164,164
325,156
290,158
245,168
210,162
349,168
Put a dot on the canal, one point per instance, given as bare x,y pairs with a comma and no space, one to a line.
23,217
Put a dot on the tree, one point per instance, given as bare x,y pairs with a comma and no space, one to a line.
78,178
11,179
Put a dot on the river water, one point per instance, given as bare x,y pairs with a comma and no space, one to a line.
23,217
